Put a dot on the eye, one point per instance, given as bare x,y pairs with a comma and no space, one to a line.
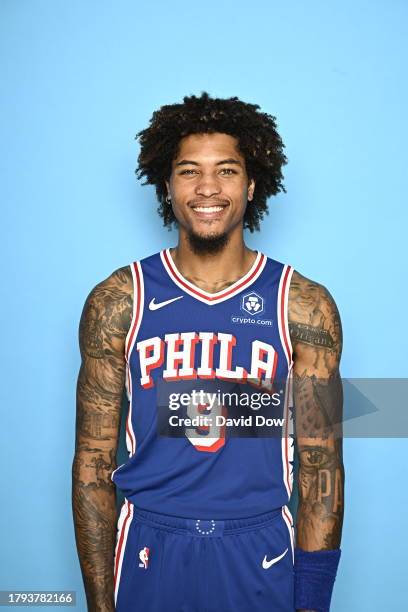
228,171
188,172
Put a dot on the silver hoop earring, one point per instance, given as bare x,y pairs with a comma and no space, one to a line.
168,200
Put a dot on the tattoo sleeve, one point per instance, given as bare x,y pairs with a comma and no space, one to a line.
102,331
316,336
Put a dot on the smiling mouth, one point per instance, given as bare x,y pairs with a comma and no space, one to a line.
209,210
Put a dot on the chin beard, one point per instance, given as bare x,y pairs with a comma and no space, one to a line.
207,245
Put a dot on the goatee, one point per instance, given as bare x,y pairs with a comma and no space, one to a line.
207,245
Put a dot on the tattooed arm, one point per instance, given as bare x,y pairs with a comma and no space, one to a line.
316,335
104,324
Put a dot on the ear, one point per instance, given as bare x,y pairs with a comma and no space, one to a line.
251,189
167,187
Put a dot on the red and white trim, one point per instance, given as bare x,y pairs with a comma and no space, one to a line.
137,314
283,320
288,441
138,305
283,326
138,301
287,517
124,522
213,298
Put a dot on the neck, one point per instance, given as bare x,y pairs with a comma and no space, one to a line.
213,272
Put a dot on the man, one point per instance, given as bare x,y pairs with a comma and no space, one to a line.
204,524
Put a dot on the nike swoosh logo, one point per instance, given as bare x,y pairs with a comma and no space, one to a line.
154,306
267,564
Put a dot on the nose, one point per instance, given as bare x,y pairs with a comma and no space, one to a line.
208,186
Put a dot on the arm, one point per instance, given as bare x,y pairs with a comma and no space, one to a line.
103,327
316,336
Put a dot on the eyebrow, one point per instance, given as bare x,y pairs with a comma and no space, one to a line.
231,160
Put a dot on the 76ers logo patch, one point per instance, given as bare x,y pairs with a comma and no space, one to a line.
144,557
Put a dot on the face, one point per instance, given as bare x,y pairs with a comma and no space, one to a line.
209,185
305,298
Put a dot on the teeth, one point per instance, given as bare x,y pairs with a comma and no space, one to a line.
208,209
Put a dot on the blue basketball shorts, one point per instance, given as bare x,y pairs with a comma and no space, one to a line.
170,564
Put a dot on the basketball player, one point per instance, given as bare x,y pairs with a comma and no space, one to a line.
197,334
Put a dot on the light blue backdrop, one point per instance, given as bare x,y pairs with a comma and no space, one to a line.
79,79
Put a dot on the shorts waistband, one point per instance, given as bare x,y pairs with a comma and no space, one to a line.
203,527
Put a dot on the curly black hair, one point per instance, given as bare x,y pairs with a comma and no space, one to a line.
258,140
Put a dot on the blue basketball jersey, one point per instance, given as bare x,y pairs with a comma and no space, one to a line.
208,378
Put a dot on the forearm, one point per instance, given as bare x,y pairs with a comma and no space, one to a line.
321,495
94,509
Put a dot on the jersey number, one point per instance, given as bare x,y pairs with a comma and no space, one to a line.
208,437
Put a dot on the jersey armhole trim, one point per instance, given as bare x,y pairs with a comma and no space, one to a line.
138,304
283,317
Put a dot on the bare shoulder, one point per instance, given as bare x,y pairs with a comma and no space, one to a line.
314,319
107,314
